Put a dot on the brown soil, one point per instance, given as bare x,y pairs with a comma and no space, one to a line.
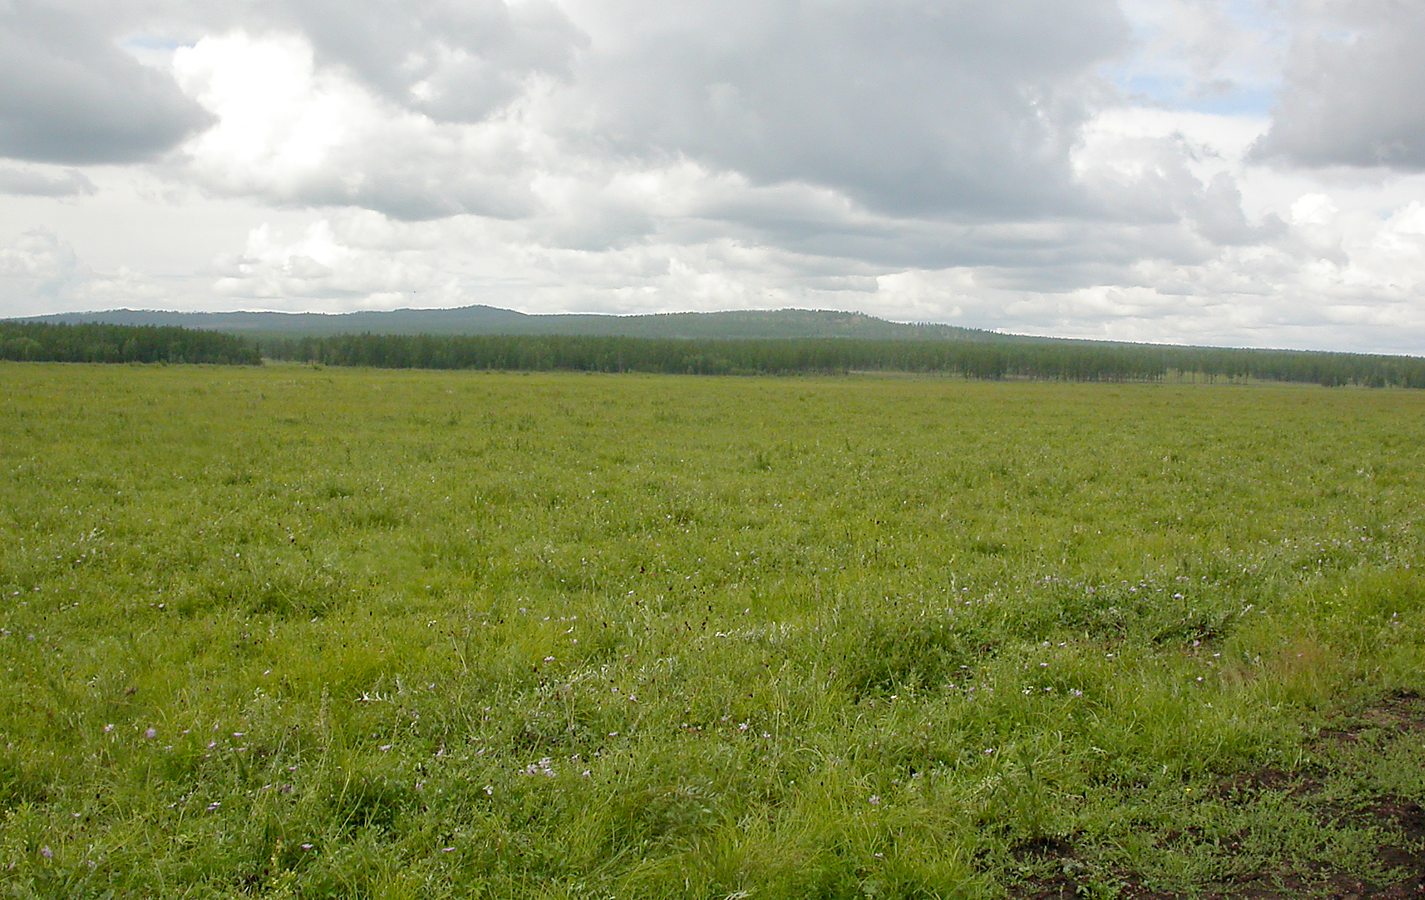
1399,820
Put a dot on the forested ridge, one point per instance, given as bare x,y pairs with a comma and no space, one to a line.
1036,359
490,320
1029,358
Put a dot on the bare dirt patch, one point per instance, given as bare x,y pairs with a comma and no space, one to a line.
1343,755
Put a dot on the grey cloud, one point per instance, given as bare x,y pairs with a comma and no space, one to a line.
414,177
1057,278
903,106
454,60
40,183
68,94
1352,89
1218,216
1165,214
835,117
904,243
416,198
1165,192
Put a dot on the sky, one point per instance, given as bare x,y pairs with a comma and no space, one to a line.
1224,172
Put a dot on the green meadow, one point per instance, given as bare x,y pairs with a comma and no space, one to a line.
291,631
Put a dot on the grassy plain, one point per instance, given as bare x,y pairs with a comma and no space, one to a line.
301,632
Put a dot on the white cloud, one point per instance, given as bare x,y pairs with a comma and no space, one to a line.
39,256
1223,56
1103,169
323,268
44,182
40,267
292,133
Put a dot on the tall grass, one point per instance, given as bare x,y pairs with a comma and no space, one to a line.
310,632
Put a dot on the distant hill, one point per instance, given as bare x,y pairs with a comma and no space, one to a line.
478,320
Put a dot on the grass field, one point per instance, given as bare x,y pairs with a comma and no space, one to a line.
301,632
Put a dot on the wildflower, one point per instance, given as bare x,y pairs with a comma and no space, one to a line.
46,852
150,733
874,800
489,790
108,728
306,846
213,807
384,747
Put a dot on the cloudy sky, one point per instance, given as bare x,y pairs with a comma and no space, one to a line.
1236,172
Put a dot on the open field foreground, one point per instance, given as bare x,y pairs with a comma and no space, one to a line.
301,632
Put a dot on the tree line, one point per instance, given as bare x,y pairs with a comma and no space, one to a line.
41,342
1025,359
1032,359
